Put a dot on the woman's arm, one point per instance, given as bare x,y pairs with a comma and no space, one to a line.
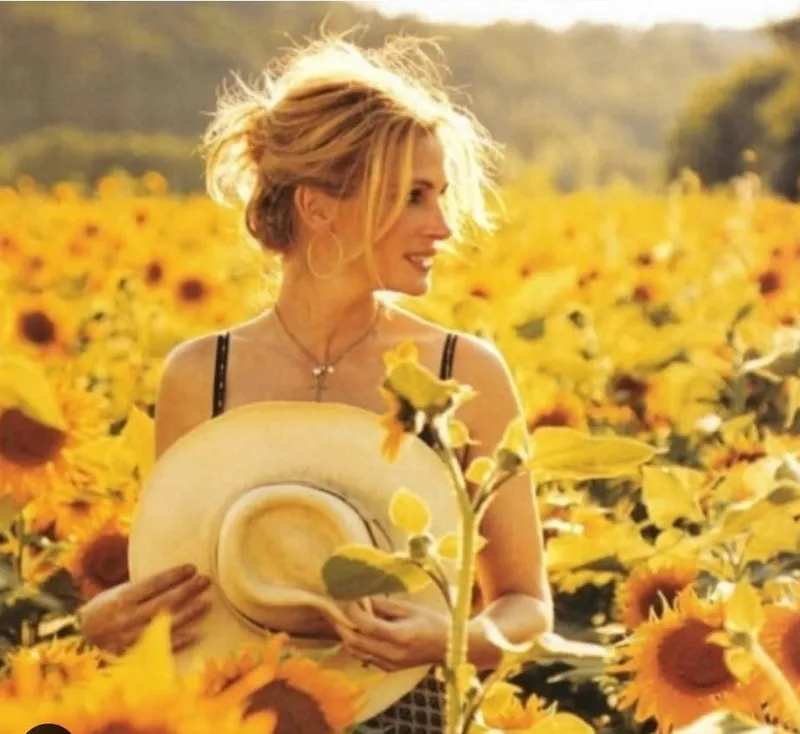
511,568
395,634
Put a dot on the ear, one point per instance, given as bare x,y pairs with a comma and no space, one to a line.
314,207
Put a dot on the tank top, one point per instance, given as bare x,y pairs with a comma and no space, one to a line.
221,367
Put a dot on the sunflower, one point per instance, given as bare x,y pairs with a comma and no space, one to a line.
740,449
43,670
780,637
305,696
98,558
35,456
564,409
142,693
503,710
649,586
44,325
590,538
678,675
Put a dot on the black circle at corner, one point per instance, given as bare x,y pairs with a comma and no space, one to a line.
48,729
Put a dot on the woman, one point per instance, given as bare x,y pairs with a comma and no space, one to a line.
355,168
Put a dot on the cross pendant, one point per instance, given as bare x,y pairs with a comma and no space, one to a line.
322,369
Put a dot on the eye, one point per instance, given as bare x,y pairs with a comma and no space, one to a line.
415,197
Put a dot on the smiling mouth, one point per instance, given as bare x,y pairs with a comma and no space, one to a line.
421,263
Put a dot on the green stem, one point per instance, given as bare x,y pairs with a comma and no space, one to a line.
778,679
499,673
21,549
457,643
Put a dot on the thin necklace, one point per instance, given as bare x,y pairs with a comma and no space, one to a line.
320,371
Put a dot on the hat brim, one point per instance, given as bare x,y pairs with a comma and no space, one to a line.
329,445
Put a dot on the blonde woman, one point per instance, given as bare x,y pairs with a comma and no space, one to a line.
355,168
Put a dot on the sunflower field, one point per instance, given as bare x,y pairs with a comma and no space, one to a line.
672,320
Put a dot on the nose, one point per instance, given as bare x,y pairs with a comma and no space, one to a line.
440,229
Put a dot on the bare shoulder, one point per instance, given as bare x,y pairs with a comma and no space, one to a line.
475,357
185,390
481,365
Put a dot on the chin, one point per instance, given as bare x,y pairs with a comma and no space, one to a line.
411,289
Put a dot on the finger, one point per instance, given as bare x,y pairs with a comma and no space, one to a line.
183,640
391,608
159,583
364,645
377,653
192,612
172,600
371,625
384,665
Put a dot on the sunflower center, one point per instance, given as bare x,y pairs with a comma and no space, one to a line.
37,327
105,561
791,645
651,599
691,663
558,416
192,289
27,442
126,727
154,273
297,711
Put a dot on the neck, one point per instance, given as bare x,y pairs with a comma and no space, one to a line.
323,316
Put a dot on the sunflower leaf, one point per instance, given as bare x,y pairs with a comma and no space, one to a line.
24,385
671,493
409,512
356,571
725,722
559,452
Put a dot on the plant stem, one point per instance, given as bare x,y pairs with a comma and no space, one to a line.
778,679
457,643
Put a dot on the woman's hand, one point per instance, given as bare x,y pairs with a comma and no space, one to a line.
114,619
394,634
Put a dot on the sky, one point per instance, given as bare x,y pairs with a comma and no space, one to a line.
560,14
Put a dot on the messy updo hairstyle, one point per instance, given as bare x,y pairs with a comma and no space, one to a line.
344,119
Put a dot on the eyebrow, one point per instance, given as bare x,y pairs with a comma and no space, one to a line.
427,184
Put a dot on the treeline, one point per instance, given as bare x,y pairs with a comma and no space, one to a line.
85,87
748,118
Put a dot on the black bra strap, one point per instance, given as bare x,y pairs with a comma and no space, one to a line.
220,369
447,356
221,365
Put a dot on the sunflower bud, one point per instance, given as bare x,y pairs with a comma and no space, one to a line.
420,546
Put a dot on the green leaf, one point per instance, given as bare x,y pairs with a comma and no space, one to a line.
420,388
514,447
409,512
670,493
726,722
742,516
532,330
9,512
24,385
778,365
356,571
139,435
566,453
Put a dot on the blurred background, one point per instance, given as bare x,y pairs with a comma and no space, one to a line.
588,91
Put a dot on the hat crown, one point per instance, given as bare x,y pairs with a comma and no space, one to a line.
272,544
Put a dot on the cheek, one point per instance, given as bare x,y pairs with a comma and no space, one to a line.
395,241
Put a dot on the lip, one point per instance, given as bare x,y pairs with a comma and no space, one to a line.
418,267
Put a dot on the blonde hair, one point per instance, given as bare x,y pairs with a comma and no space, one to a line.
344,119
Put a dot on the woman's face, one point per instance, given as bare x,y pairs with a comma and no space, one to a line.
404,255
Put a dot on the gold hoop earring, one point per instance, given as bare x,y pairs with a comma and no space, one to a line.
339,257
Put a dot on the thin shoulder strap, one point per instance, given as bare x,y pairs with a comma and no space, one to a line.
447,356
220,371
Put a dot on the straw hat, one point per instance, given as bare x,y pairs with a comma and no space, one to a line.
258,498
